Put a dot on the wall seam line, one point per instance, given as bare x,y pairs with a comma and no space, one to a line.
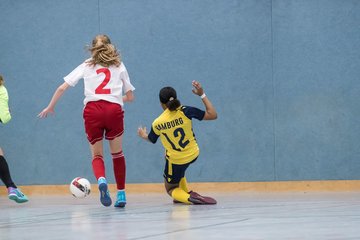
99,16
273,89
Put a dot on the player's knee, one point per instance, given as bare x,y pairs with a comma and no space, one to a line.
96,156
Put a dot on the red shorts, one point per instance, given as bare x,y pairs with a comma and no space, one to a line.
103,117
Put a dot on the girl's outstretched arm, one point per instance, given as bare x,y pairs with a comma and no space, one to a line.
210,111
55,98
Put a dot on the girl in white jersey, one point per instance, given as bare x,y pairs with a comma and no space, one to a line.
105,81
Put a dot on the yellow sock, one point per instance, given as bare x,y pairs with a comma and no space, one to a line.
180,195
183,184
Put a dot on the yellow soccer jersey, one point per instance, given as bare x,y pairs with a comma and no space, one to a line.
5,115
176,134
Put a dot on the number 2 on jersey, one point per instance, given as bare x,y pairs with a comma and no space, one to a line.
101,88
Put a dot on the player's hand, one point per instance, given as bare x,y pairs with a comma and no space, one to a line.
198,90
44,113
142,132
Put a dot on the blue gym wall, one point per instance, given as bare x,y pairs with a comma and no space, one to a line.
283,75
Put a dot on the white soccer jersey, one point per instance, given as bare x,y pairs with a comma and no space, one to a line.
101,83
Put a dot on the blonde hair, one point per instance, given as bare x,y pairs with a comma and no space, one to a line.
1,80
103,52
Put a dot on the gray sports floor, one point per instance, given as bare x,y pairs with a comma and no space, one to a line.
242,215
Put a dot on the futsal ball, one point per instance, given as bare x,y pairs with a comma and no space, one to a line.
80,187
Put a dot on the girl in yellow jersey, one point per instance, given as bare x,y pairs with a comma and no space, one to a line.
174,127
14,193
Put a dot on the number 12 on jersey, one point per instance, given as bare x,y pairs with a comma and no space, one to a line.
179,132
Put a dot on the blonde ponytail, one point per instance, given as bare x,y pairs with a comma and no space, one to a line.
103,52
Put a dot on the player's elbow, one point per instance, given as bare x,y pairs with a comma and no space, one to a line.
131,98
63,87
210,115
213,116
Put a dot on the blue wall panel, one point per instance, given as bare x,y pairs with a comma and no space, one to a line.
282,74
172,43
316,79
41,42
